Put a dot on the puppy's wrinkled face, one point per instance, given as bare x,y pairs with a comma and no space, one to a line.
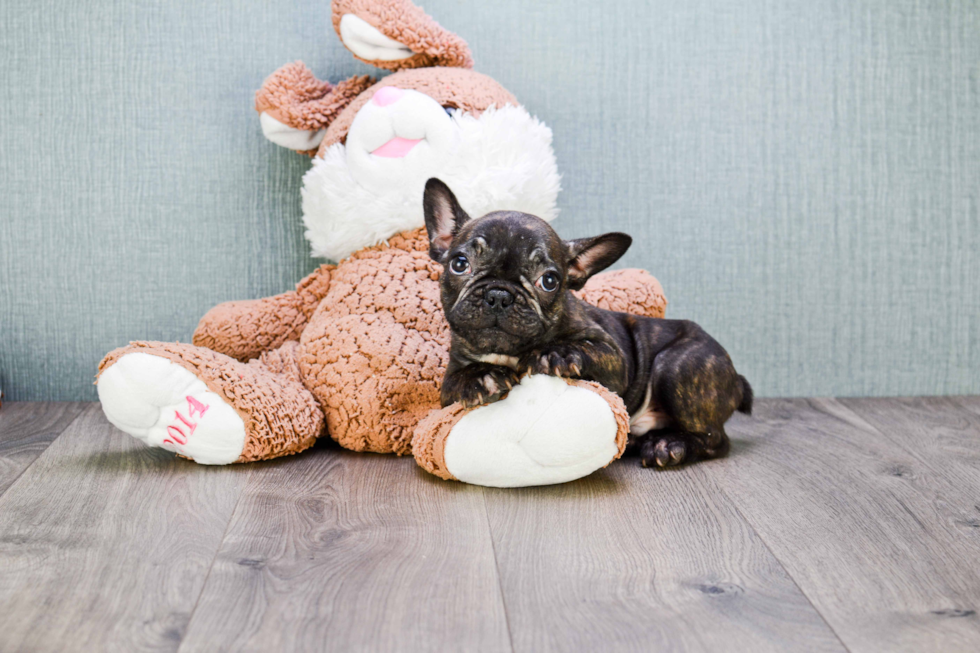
502,281
507,275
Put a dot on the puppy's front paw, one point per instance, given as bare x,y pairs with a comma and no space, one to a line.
560,360
476,385
488,387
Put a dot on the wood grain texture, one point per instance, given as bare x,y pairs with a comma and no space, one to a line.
105,544
834,524
632,559
339,551
870,529
971,402
26,430
942,432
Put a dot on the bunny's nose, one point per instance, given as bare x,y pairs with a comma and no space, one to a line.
387,95
498,299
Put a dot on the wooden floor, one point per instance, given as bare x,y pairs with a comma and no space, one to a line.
849,524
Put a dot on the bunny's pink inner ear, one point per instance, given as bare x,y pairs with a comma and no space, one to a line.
396,34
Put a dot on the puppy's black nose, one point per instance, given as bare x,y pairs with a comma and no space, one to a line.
498,299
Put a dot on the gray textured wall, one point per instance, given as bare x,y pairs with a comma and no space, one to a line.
803,177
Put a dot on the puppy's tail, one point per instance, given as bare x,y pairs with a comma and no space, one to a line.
745,406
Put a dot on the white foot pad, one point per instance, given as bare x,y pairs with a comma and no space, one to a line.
544,432
165,405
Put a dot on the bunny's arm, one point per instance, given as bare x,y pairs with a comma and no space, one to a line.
245,329
627,291
295,107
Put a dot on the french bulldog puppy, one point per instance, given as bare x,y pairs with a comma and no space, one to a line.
507,293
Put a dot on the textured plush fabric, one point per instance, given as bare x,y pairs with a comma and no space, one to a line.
454,87
626,291
501,160
409,25
281,416
800,176
619,411
376,349
494,159
295,97
373,349
245,329
429,439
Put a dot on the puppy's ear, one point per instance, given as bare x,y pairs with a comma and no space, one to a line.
443,217
586,256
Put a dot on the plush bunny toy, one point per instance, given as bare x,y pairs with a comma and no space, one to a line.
359,349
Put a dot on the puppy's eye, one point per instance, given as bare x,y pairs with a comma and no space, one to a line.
459,265
548,282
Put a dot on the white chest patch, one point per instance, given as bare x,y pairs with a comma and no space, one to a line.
499,359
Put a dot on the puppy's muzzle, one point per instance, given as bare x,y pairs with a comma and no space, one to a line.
498,299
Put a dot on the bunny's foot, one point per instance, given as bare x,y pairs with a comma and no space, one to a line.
206,406
164,405
546,431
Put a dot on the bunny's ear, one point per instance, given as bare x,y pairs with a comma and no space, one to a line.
395,34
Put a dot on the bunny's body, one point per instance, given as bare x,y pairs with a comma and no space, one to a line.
359,349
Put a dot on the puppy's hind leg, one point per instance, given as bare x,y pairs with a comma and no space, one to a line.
696,385
672,447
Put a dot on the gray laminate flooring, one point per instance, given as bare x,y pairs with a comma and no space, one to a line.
848,524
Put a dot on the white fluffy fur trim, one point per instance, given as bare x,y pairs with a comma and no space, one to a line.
504,161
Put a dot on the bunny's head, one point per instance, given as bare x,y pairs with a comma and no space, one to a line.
376,144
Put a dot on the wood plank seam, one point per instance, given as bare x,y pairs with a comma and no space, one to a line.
907,529
785,569
112,537
217,551
496,566
900,443
81,413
